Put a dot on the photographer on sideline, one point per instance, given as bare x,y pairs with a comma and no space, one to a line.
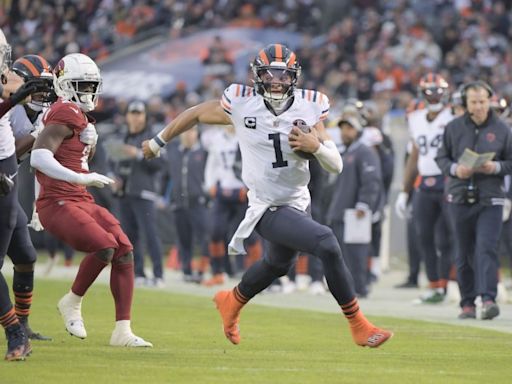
476,196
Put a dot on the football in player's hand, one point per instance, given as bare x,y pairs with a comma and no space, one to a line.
301,124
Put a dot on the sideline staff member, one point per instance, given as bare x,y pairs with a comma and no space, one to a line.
476,196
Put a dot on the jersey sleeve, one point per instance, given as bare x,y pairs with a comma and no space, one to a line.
323,102
226,99
317,102
64,114
233,95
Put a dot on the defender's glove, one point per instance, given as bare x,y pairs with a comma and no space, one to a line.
94,180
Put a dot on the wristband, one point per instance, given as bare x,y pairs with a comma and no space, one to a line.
157,143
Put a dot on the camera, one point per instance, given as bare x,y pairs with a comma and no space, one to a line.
472,194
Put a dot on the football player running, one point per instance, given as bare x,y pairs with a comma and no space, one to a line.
68,211
265,118
426,127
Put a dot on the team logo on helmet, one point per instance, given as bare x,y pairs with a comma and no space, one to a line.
59,69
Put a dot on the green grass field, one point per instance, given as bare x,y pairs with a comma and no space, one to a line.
278,346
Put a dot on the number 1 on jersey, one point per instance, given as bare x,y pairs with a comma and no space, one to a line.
280,162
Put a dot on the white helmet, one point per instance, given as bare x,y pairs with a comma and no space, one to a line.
77,79
5,53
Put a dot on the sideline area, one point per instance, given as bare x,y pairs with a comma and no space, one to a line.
384,300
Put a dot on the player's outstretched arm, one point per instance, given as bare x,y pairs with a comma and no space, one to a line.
42,159
209,112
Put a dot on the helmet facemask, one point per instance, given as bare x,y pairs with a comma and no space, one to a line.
84,93
435,98
275,83
433,89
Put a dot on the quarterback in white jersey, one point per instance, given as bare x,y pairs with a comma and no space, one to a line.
430,215
273,172
278,126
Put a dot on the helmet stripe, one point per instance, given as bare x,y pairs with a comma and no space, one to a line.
292,60
263,57
29,66
279,52
45,64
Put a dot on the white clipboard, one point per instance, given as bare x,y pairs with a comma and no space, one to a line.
357,230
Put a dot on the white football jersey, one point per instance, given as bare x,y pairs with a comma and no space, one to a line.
222,148
271,170
428,137
21,124
7,147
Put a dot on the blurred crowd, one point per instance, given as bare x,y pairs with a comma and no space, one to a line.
98,27
375,50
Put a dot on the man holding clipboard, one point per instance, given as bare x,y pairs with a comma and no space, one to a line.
355,197
476,154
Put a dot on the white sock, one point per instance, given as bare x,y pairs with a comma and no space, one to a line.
123,326
74,298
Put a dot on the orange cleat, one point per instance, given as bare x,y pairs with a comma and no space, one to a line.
217,279
229,308
370,336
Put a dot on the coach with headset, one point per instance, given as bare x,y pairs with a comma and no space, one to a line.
476,196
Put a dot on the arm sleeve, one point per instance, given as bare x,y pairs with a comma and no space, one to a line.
329,157
44,161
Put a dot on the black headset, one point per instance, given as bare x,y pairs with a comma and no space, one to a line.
472,85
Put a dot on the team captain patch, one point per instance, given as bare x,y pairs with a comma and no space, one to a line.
250,122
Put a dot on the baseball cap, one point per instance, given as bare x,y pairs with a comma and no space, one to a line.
137,106
352,121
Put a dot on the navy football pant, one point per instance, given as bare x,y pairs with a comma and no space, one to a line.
289,231
433,232
8,217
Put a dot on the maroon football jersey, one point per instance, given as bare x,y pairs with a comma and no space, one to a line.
72,154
